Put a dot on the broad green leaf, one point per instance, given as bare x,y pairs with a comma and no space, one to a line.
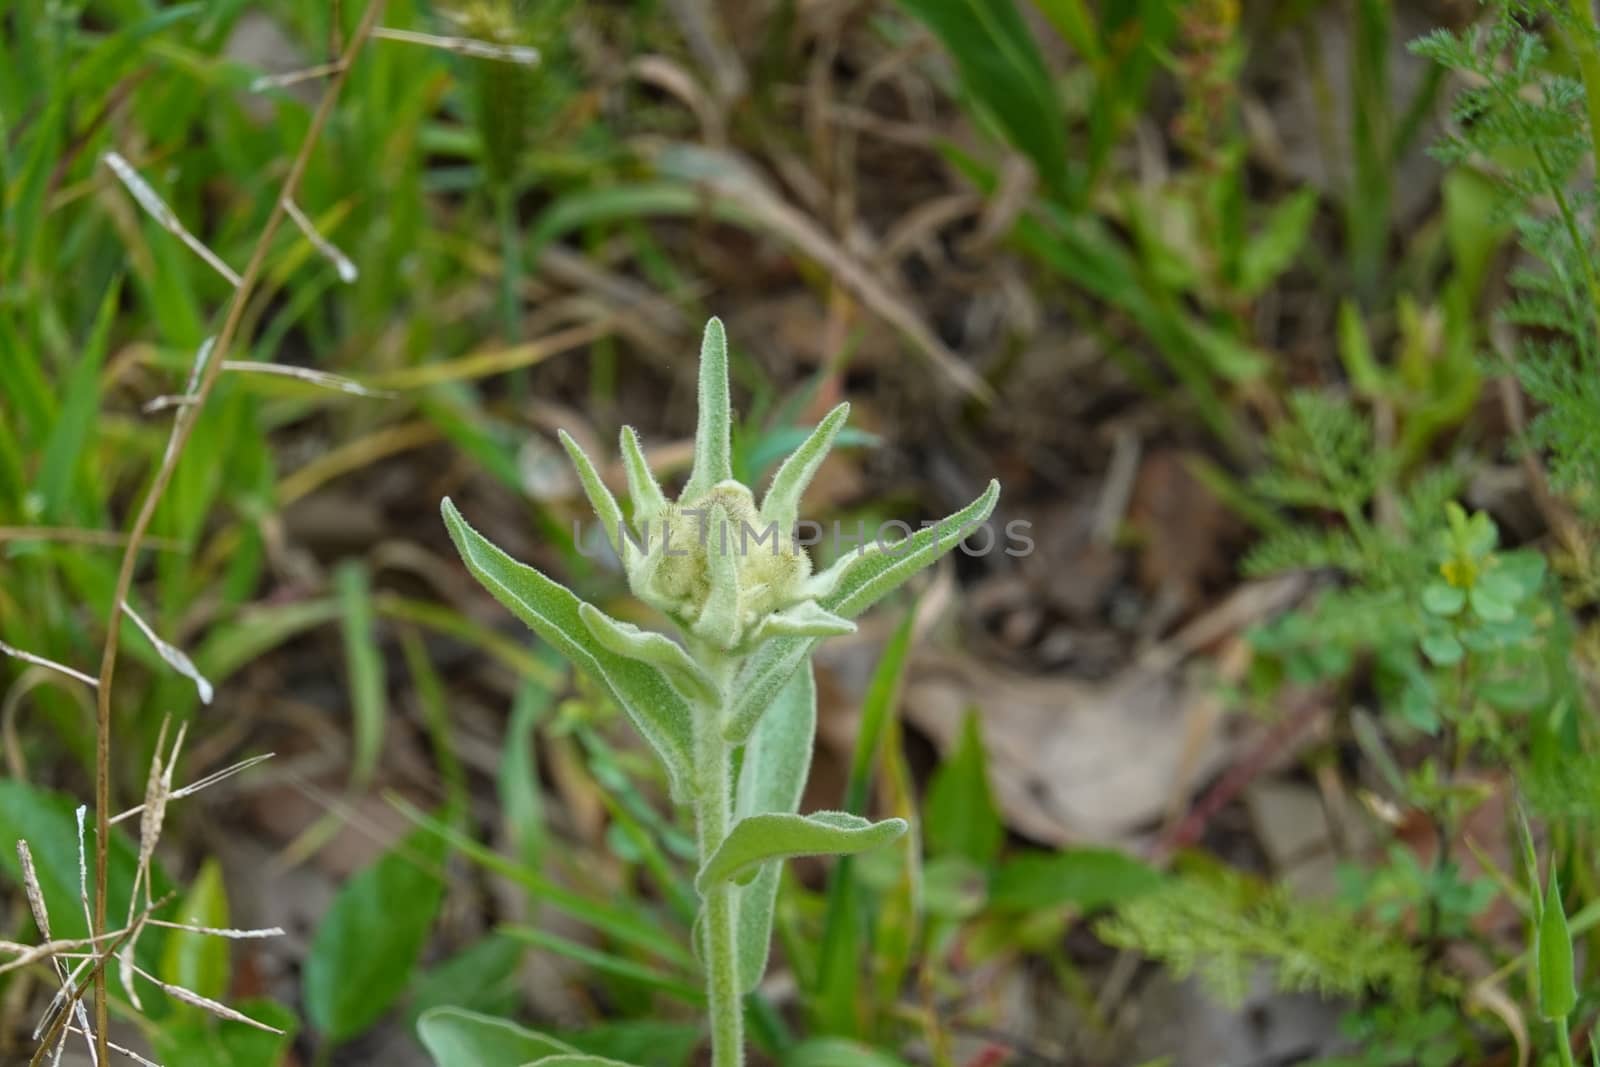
653,1042
1441,598
600,498
1085,878
772,778
959,816
658,650
1489,604
481,977
47,822
364,665
199,962
367,945
761,839
782,502
713,434
455,1037
577,1060
1552,953
1524,569
656,710
1442,649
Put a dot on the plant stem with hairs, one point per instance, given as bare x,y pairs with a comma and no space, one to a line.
734,580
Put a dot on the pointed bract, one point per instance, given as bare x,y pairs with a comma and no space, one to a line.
658,650
782,502
713,434
805,619
600,498
862,578
643,490
719,617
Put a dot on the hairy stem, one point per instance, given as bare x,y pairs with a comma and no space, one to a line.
719,922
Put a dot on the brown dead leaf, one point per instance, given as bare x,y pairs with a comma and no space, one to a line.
1073,761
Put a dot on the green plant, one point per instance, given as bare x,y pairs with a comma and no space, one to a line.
740,682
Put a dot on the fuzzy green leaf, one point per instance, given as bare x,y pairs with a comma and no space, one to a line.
846,589
658,650
862,578
455,1037
805,619
761,839
713,434
551,610
643,490
772,777
1552,952
782,502
761,679
600,498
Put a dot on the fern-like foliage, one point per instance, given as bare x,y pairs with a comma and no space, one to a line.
1528,125
1223,926
1325,469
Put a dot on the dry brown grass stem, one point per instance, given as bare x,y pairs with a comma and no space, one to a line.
182,426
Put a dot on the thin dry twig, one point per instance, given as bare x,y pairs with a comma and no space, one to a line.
182,427
74,535
48,664
295,77
195,787
521,54
172,655
341,262
157,209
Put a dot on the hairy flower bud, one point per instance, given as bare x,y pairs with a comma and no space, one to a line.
691,542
